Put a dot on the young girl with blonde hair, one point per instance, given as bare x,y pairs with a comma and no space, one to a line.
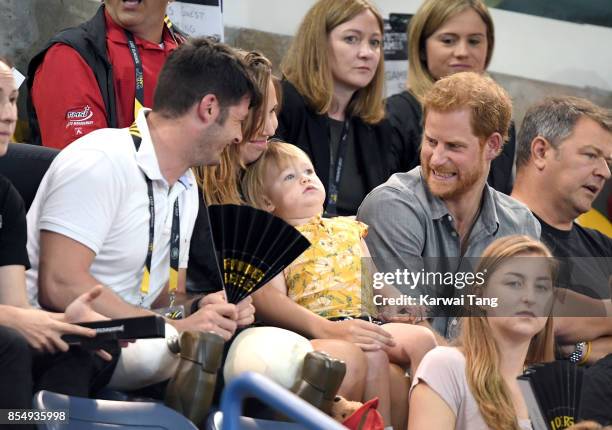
330,298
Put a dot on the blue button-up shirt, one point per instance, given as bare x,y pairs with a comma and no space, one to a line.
412,229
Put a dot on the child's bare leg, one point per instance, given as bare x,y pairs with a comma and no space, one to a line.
377,382
352,387
412,343
400,386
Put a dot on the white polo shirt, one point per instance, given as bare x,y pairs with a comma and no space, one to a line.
96,194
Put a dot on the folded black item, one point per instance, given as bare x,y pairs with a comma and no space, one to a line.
254,245
119,329
552,392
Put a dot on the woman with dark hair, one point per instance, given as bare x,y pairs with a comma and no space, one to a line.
473,385
333,99
444,37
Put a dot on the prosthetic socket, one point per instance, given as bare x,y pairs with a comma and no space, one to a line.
321,379
191,390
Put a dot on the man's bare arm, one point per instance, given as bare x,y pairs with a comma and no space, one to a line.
64,274
585,318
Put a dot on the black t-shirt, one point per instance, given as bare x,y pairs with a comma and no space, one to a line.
352,183
596,393
405,115
585,257
13,231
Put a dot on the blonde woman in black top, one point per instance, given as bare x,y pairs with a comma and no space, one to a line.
444,37
333,99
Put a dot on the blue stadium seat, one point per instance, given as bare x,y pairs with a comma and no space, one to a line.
251,384
215,422
92,414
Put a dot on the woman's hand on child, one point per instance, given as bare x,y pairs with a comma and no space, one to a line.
364,334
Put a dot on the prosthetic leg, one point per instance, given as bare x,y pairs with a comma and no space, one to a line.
321,378
191,389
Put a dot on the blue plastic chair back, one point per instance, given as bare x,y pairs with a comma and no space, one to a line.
93,414
215,422
251,384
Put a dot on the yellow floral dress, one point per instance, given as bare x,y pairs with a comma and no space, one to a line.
326,278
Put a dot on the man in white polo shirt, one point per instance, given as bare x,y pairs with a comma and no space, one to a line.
117,207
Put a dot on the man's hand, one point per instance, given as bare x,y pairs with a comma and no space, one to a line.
43,331
80,310
217,317
364,334
218,297
246,312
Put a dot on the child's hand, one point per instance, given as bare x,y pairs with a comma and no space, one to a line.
364,334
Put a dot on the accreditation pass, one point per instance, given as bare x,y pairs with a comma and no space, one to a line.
33,416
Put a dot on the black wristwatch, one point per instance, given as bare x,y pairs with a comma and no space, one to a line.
195,305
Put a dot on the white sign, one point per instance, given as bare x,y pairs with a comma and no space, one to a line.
198,17
396,72
396,53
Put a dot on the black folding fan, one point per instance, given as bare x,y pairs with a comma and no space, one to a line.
254,246
552,392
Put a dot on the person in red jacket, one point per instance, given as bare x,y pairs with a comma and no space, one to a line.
86,76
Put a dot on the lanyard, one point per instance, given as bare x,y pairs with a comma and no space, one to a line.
139,74
139,100
174,234
334,180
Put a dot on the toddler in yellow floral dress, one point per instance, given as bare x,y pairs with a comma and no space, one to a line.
326,280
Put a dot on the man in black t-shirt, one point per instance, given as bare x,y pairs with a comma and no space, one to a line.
564,155
585,258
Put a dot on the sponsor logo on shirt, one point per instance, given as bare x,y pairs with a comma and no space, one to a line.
79,114
78,117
